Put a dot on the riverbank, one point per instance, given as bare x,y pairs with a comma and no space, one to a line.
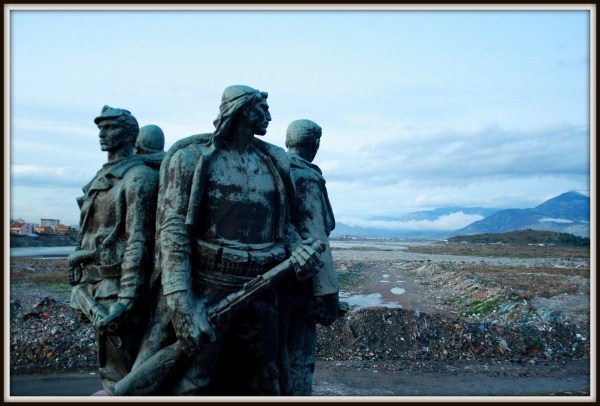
43,240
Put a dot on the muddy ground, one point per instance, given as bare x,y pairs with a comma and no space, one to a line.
420,325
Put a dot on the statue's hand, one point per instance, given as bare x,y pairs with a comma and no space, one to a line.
82,256
306,261
326,309
117,315
73,259
190,321
76,259
74,275
99,313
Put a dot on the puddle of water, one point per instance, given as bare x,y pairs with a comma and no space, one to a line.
377,299
41,252
371,300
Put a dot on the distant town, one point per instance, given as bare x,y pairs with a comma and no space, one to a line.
44,227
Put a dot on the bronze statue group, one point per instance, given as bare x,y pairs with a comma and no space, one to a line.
205,269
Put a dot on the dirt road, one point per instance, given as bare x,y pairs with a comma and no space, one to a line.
335,378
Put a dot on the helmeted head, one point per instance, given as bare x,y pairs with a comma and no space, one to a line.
150,140
303,138
233,100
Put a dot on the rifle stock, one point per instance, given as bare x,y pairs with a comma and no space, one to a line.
90,309
87,304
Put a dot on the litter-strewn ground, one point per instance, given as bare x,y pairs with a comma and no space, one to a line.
462,311
445,315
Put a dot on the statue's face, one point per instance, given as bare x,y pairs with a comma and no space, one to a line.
315,148
259,117
113,135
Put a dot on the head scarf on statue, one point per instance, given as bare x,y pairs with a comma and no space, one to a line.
234,97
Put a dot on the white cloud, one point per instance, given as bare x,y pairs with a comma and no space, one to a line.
449,222
453,158
554,220
47,177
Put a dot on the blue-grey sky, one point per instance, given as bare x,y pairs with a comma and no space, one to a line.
420,109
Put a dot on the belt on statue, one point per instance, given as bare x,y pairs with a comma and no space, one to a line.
247,269
103,271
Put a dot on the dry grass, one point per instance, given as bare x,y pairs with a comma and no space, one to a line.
530,282
51,273
502,250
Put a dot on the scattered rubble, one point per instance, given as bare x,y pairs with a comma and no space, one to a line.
463,315
47,337
410,336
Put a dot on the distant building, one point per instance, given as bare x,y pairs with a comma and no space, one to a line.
44,230
21,228
49,222
62,229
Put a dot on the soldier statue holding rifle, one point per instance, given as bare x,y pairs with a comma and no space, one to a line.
113,258
225,239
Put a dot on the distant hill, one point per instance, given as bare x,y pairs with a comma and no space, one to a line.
525,237
412,229
566,213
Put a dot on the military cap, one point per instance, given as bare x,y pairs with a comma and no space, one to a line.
111,112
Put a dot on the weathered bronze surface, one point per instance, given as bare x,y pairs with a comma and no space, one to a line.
232,270
316,302
114,253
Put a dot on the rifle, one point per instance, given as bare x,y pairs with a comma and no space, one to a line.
150,374
90,308
87,304
231,304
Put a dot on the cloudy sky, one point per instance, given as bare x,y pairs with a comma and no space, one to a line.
420,109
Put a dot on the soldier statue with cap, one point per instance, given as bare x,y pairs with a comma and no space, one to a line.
109,269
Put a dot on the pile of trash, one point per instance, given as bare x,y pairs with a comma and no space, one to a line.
471,320
468,318
49,337
401,334
502,303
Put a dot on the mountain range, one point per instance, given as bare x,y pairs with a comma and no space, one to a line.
566,213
